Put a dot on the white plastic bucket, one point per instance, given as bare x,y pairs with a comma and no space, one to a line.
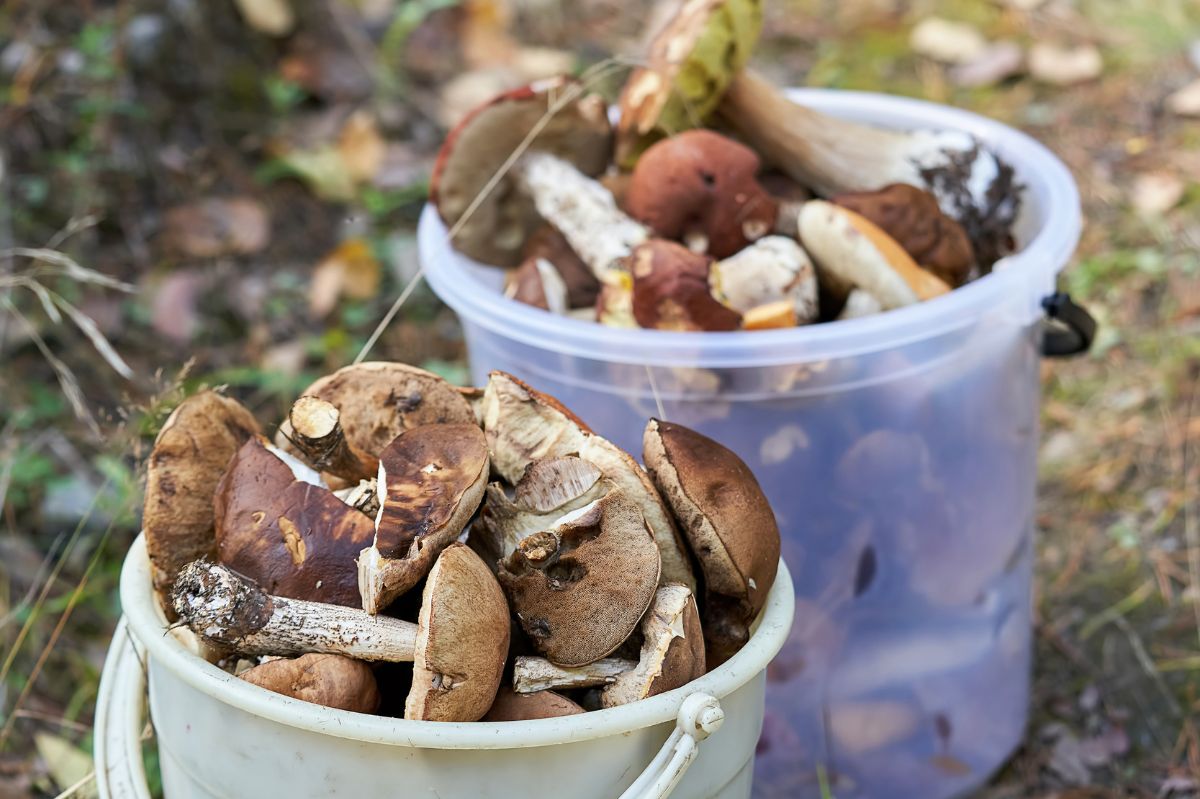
218,736
899,452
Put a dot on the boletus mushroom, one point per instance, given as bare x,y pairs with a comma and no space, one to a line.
700,187
189,457
512,706
523,425
316,432
551,276
457,647
579,588
671,290
672,655
727,521
469,175
772,270
330,680
431,482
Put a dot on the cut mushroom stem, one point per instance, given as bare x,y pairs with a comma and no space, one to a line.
316,431
533,674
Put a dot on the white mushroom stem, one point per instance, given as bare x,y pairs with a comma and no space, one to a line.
834,155
362,496
859,304
533,674
770,270
221,606
582,210
316,431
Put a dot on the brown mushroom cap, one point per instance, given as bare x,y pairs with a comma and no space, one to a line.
511,706
431,482
914,219
330,680
479,145
523,425
580,589
190,455
582,285
462,643
379,400
292,538
727,521
672,649
538,283
671,290
700,186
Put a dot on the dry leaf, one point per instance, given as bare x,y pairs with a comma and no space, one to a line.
1157,192
361,147
351,270
218,226
272,17
946,41
173,306
67,764
997,62
1186,101
1065,66
324,171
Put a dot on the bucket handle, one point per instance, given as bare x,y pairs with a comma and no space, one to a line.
700,716
1069,328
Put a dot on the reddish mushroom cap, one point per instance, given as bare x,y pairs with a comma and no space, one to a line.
671,290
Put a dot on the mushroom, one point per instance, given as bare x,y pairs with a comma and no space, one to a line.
431,481
773,269
579,588
770,316
699,187
379,400
672,655
511,706
670,290
727,521
851,252
458,645
536,282
523,425
330,680
316,432
694,67
912,217
469,175
190,455
789,196
614,303
280,526
860,303
547,244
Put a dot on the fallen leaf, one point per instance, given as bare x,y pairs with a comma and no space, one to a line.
218,226
1065,66
1186,101
272,17
995,63
361,147
485,33
284,359
67,764
534,63
1156,193
351,270
173,306
947,41
323,169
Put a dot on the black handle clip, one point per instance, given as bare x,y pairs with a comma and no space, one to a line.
1069,328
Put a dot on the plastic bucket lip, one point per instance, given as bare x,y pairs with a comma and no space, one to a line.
140,608
1035,265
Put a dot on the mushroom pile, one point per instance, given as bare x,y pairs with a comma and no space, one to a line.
773,216
523,565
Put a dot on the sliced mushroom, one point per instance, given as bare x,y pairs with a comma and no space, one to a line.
190,455
671,290
771,270
276,524
511,706
431,482
458,645
851,252
316,432
379,400
912,217
699,187
575,128
727,521
329,680
523,425
579,588
672,655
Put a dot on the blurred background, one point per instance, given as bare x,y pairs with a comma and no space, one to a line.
224,193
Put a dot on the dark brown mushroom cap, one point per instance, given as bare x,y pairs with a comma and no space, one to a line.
330,680
548,243
512,706
479,145
292,538
671,290
726,519
913,218
379,400
700,183
672,653
580,589
462,643
190,455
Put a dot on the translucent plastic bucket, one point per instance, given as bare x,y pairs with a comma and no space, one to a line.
899,451
218,736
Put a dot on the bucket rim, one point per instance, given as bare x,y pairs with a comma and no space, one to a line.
1031,270
145,622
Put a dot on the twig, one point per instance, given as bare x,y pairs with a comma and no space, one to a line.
1147,663
1117,610
658,403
